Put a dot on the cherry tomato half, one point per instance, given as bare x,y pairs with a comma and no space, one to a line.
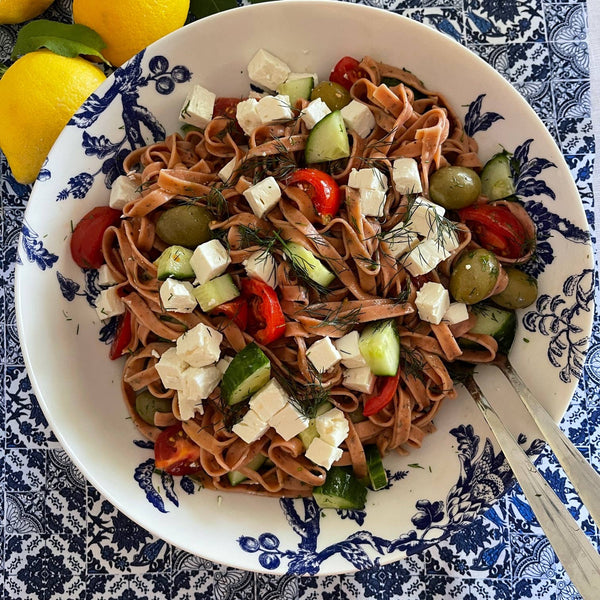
265,317
495,228
236,310
321,188
227,107
175,453
385,391
122,336
86,241
346,72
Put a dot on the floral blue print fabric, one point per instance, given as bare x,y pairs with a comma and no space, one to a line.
62,539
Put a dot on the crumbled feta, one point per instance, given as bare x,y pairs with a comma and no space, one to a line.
209,260
323,355
177,296
405,175
198,107
261,265
349,350
294,76
122,191
226,173
358,116
369,179
314,112
400,240
200,346
288,422
457,313
322,453
263,196
360,379
250,428
432,302
424,217
267,70
247,116
198,384
223,364
332,426
109,303
170,368
372,202
105,276
269,400
424,257
274,108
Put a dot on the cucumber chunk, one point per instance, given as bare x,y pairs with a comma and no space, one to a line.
296,88
341,490
500,323
236,477
496,177
216,291
308,262
175,262
328,139
310,433
249,370
376,473
379,343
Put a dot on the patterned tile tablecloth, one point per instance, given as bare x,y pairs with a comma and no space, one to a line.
61,539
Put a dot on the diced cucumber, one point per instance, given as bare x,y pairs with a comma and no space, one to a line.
236,477
328,139
310,433
216,291
307,261
376,472
379,343
341,490
175,262
249,370
297,88
500,323
496,177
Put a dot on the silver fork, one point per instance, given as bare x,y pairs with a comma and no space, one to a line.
579,558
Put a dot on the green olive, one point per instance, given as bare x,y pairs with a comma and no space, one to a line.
474,276
185,225
147,405
454,187
521,291
336,96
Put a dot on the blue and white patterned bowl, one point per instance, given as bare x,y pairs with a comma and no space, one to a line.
434,491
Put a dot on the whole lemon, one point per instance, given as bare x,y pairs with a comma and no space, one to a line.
39,93
17,11
128,26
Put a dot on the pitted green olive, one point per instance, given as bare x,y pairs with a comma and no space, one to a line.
474,276
454,187
147,405
521,291
336,96
185,225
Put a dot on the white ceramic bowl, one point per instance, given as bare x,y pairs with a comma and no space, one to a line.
78,387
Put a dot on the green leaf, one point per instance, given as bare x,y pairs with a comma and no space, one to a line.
3,69
204,8
61,38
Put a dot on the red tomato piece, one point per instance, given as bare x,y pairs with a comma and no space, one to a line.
236,310
175,452
346,72
266,321
86,241
321,188
122,336
227,107
495,228
386,389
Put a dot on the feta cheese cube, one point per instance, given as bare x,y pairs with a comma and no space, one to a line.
332,426
293,76
223,364
448,239
424,257
263,196
372,202
267,70
270,399
122,191
400,240
251,427
323,355
322,453
209,260
198,107
177,296
405,175
170,368
349,350
360,379
424,217
261,265
105,276
358,116
198,384
274,108
314,112
432,302
247,115
370,179
226,172
200,346
288,422
457,313
109,303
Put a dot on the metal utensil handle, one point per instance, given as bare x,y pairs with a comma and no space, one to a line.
584,478
574,550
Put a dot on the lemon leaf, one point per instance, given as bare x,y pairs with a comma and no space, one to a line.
61,38
204,8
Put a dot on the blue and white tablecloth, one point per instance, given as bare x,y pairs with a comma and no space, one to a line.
60,539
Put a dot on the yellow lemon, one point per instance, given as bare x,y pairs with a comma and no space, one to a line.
39,93
17,11
128,26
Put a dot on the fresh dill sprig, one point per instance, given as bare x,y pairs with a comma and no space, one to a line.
370,263
338,317
216,204
306,396
412,362
279,165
